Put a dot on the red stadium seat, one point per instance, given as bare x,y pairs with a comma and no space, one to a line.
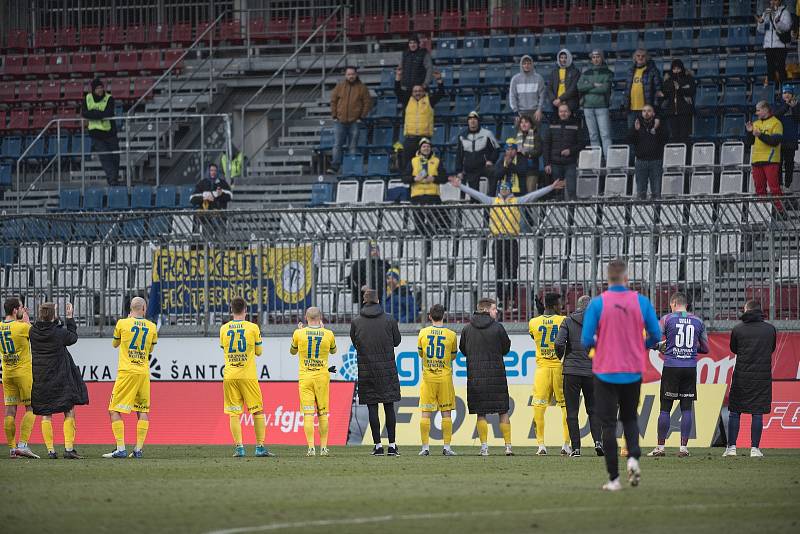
17,40
90,37
257,29
3,126
51,91
399,24
605,13
45,38
82,63
120,88
67,38
202,27
36,65
69,112
158,34
555,17
278,29
136,35
104,62
8,92
170,57
19,120
656,11
354,27
331,29
128,62
14,66
141,85
304,28
450,22
529,19
630,12
75,90
231,32
477,21
374,26
580,16
182,34
424,23
58,64
41,116
425,42
29,92
502,18
151,60
114,36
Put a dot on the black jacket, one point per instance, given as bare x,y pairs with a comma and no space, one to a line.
570,348
651,81
207,185
648,145
679,101
57,381
375,335
753,341
417,67
484,342
571,97
562,135
363,274
474,150
96,115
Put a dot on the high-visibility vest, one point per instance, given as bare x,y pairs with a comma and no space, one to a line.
419,117
505,220
92,105
236,165
432,167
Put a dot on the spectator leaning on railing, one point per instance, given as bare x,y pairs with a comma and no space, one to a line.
594,86
679,91
418,114
350,103
526,92
98,108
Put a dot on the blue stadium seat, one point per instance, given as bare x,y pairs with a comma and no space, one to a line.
733,127
736,66
35,147
760,93
7,255
75,145
495,76
387,80
353,165
69,200
142,197
469,76
52,146
617,100
627,41
738,37
382,137
321,194
439,133
707,68
327,139
363,133
12,148
118,198
93,198
446,50
523,45
473,48
683,10
386,108
711,9
450,158
448,80
160,225
705,127
655,40
507,130
452,136
378,165
576,43
132,229
707,96
465,104
735,96
682,39
442,108
491,105
166,197
5,175
499,47
549,44
739,9
709,37
600,40
185,195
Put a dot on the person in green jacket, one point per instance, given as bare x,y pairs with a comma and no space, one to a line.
594,86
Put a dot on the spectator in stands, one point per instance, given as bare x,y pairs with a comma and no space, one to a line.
477,151
350,103
648,137
235,168
789,114
594,86
399,301
776,25
529,146
564,81
98,108
512,168
561,143
368,273
424,174
765,134
418,112
505,222
679,90
212,192
526,93
644,85
416,65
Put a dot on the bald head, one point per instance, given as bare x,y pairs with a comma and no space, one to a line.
138,306
313,315
583,302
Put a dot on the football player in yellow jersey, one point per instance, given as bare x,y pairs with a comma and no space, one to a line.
548,380
17,376
135,337
313,344
437,347
240,340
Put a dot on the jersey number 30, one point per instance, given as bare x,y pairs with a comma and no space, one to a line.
684,338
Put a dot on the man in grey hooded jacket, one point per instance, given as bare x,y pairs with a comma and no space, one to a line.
563,88
526,92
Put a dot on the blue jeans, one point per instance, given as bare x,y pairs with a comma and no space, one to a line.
648,172
343,132
599,125
568,172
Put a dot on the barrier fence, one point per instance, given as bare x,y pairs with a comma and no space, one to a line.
721,251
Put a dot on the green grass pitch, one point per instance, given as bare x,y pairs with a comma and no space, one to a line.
203,489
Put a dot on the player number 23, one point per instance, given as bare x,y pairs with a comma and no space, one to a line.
135,331
237,336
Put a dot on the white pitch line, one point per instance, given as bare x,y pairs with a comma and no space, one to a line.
492,513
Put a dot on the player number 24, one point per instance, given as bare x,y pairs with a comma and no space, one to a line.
435,348
241,342
135,331
553,334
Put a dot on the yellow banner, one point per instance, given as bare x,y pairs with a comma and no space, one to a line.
707,409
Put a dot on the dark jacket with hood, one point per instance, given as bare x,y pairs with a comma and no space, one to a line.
97,115
401,304
571,77
651,81
790,118
648,141
375,335
680,100
209,185
570,348
753,341
370,272
484,342
568,134
417,67
474,150
57,381
592,96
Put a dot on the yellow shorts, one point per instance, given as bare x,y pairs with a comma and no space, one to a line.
435,396
241,392
548,382
17,390
314,394
131,393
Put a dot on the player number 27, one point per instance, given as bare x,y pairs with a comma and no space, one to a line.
553,333
7,343
136,331
241,342
435,348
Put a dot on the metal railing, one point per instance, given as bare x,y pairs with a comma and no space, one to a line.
720,251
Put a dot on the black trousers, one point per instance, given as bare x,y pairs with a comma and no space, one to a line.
787,161
375,422
574,385
506,261
613,399
109,162
680,128
776,65
410,147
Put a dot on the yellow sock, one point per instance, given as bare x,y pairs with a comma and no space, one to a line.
118,428
69,433
564,424
47,434
425,431
483,431
323,431
260,423
141,433
447,430
10,426
26,427
505,428
308,428
538,418
236,430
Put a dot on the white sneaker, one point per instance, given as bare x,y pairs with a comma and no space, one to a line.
657,453
612,485
566,450
542,451
484,451
324,451
634,473
755,452
26,452
425,452
729,451
311,451
509,452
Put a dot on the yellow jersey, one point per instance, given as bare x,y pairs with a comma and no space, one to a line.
562,86
437,348
241,343
313,345
637,89
543,330
135,338
15,347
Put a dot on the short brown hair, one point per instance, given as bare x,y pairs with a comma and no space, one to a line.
238,305
370,296
11,304
616,270
752,305
679,299
436,313
485,304
47,312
